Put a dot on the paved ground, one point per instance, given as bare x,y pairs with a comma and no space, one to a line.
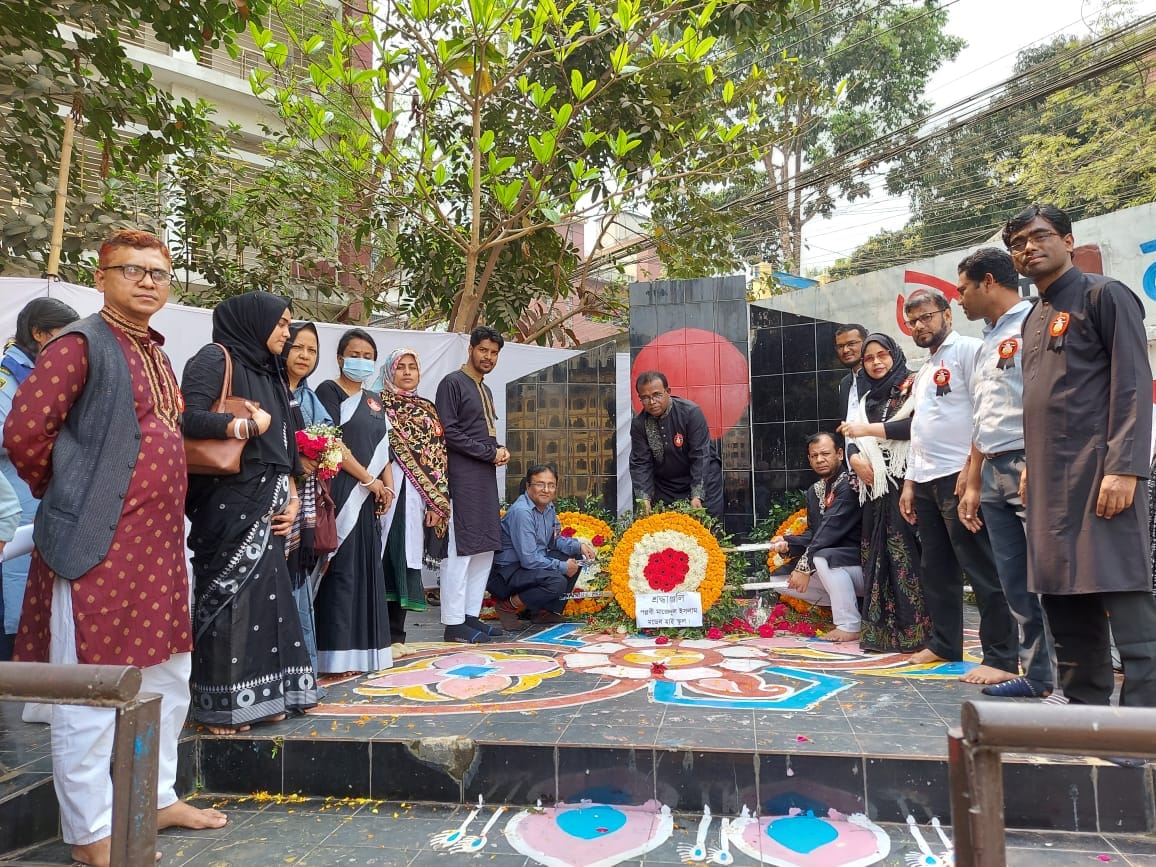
396,834
821,723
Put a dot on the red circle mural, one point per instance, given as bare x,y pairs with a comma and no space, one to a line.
701,366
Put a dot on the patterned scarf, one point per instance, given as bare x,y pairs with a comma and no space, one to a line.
415,435
162,382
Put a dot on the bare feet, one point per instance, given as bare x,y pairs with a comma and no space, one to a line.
924,657
182,815
837,634
96,854
985,674
226,730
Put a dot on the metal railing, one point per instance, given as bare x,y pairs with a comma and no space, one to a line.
989,729
135,743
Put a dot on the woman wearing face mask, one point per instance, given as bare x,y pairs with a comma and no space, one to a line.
894,615
36,324
350,607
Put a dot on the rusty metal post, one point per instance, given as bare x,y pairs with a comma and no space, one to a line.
91,685
135,757
985,814
1084,729
960,798
136,740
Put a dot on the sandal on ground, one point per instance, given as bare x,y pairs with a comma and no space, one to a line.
508,614
465,634
481,625
547,618
1017,687
433,597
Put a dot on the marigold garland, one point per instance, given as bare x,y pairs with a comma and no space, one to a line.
599,534
795,524
704,570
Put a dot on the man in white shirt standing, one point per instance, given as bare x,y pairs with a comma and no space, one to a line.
989,290
940,445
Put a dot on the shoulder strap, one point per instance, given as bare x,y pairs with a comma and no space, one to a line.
227,380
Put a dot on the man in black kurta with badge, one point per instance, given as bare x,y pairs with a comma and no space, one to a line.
466,410
1087,436
671,453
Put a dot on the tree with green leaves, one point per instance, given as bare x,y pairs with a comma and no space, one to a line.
861,72
471,133
1092,149
69,57
1089,147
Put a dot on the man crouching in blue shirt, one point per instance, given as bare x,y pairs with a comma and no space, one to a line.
537,565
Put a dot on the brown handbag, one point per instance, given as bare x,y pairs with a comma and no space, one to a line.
219,457
325,530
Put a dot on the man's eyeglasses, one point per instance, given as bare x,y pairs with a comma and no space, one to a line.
925,319
651,398
1018,245
136,273
544,486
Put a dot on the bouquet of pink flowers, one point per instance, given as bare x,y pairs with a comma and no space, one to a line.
321,443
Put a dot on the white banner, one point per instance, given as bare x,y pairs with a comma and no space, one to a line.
187,329
667,610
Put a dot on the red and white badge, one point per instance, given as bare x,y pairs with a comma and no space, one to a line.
679,439
1007,353
180,401
1060,324
829,499
942,380
438,430
373,404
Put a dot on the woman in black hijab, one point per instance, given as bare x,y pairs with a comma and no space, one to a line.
250,663
894,615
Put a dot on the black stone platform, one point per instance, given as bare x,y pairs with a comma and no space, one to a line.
556,715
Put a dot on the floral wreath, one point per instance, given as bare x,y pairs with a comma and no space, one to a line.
598,533
667,552
794,525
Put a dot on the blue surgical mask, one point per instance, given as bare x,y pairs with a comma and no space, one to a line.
357,369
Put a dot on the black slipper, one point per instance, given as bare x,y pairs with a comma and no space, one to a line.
490,629
1017,687
465,634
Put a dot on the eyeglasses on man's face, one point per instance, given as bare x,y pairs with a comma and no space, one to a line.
1020,243
656,397
544,486
136,273
924,319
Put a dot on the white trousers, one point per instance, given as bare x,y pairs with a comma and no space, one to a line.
464,578
839,587
82,737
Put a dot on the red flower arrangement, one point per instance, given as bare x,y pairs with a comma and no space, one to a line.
666,569
321,443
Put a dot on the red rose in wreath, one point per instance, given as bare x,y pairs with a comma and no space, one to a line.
666,569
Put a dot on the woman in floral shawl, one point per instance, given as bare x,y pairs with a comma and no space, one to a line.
416,519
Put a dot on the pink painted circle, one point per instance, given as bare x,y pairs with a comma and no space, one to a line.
701,366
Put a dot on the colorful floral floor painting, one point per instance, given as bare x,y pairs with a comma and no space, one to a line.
563,667
593,833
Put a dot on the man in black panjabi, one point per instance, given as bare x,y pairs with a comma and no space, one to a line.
466,409
1087,437
672,456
